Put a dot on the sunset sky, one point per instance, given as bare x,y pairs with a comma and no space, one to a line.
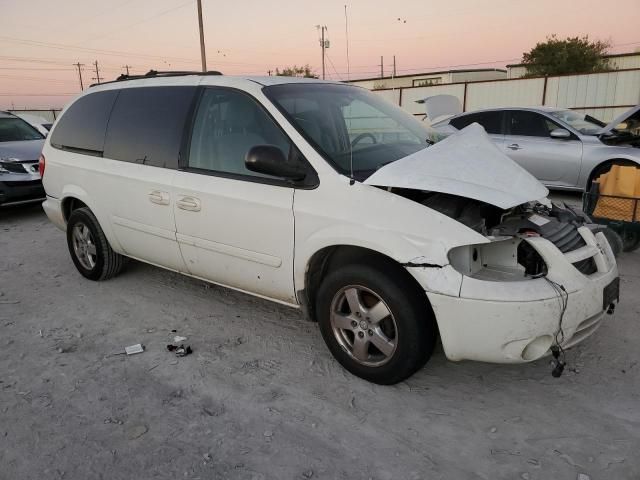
41,39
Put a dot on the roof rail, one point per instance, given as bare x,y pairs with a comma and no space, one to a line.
156,74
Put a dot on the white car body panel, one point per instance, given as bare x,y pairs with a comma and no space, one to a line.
441,107
240,236
467,164
260,239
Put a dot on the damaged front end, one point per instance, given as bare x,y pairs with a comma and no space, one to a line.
535,275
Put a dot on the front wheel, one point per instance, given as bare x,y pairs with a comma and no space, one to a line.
377,324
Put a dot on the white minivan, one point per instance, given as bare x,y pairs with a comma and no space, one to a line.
324,196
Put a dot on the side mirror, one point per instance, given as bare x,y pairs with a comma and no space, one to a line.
560,133
270,160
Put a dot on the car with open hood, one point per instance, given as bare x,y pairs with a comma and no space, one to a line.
327,198
562,148
20,147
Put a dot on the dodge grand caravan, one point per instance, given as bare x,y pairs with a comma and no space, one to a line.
325,197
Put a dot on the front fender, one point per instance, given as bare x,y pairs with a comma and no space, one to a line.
363,216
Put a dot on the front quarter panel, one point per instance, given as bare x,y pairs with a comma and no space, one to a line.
337,213
595,153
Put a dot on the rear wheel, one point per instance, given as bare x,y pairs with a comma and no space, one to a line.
375,322
90,251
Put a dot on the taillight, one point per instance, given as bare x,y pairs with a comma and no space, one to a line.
41,165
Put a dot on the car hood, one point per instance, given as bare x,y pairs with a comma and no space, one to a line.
23,150
631,115
441,107
466,164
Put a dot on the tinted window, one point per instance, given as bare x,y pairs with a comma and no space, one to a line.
84,123
349,125
15,130
491,121
227,125
147,124
529,124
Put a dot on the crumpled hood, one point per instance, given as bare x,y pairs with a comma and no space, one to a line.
466,164
631,115
23,150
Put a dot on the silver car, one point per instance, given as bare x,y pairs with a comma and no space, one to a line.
563,149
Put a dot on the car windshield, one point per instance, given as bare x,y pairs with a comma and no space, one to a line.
585,124
16,130
350,125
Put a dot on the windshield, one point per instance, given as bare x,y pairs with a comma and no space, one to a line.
16,130
348,124
585,124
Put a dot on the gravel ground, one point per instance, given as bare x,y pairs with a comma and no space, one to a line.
261,398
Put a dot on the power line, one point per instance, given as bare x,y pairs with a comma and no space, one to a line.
164,12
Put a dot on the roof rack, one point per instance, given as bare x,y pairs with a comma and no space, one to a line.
156,74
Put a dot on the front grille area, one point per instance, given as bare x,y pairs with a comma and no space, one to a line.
567,238
14,167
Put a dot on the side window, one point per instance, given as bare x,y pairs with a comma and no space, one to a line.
529,124
147,124
84,123
228,123
491,121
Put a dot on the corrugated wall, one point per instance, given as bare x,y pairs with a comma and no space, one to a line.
603,95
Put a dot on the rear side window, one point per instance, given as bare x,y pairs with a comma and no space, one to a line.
83,125
491,121
147,124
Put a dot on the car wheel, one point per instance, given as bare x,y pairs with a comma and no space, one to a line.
89,248
630,240
377,324
615,240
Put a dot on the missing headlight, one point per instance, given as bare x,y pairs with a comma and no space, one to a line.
503,260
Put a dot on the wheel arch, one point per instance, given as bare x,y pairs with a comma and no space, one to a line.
331,257
74,197
608,163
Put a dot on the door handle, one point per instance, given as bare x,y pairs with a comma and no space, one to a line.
159,197
514,146
191,204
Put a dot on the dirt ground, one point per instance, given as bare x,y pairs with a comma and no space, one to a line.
261,397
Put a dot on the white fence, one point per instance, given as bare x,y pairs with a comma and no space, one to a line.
602,95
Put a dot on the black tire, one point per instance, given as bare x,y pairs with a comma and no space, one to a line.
615,240
104,263
411,317
630,240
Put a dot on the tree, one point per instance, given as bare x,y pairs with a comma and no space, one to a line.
571,55
295,71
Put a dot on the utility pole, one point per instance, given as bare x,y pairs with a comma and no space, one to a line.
203,55
394,65
97,78
381,66
78,65
324,44
127,67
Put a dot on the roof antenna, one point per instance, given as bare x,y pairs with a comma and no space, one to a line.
346,32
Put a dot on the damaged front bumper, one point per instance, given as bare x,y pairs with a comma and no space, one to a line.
489,320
